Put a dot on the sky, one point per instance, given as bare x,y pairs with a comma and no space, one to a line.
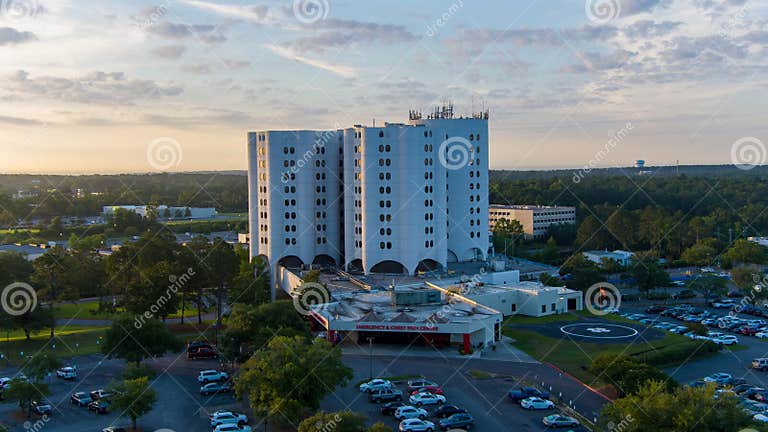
145,86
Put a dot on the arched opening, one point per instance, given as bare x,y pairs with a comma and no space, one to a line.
473,254
291,262
355,266
389,266
428,265
452,258
324,261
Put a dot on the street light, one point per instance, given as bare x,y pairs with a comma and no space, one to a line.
370,356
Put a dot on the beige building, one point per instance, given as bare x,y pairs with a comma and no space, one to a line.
535,220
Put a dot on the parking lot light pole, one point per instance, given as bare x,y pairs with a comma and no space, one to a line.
370,357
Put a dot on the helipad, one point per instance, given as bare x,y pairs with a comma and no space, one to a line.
598,330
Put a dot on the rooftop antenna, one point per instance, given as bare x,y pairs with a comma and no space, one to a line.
374,122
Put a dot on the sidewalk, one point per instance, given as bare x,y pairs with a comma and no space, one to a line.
504,352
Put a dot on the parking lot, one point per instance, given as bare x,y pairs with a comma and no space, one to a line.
485,398
736,361
179,404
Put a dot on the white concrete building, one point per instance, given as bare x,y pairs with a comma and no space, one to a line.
535,220
397,198
622,257
164,212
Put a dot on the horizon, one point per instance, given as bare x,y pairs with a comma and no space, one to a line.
661,80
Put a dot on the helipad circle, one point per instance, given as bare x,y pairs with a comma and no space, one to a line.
599,330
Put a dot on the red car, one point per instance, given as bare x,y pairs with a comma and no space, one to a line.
429,389
748,331
201,352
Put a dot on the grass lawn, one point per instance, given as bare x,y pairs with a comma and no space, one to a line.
19,231
575,357
70,341
90,310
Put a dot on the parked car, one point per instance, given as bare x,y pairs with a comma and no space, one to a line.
429,389
410,412
389,408
100,394
760,363
114,429
211,375
460,420
655,309
726,340
99,406
526,392
232,428
375,384
416,425
214,388
447,411
558,420
535,403
419,383
720,378
748,331
420,399
227,417
385,395
67,373
41,408
199,350
81,399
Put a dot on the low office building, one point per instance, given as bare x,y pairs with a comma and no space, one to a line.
466,311
535,220
621,257
164,212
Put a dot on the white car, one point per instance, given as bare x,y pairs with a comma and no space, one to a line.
420,399
536,403
762,418
208,376
227,417
718,377
725,340
375,384
232,428
67,373
409,412
761,335
416,425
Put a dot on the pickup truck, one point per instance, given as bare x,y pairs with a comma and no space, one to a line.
385,395
526,392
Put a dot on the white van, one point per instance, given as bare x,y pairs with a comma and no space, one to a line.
760,363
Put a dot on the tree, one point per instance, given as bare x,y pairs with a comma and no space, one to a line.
379,427
701,253
40,365
249,328
625,374
53,273
136,337
342,421
223,266
648,274
708,286
583,272
685,409
251,285
507,233
154,292
133,371
24,392
550,253
15,268
744,251
275,380
134,398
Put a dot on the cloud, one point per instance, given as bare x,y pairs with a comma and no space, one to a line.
205,33
11,36
20,121
592,61
94,87
236,64
343,71
646,29
169,51
334,33
200,68
254,13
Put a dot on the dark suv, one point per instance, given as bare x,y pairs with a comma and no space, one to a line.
385,395
201,351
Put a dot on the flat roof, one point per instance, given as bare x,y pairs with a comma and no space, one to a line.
528,207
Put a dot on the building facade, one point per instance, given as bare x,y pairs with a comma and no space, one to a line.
535,220
397,198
